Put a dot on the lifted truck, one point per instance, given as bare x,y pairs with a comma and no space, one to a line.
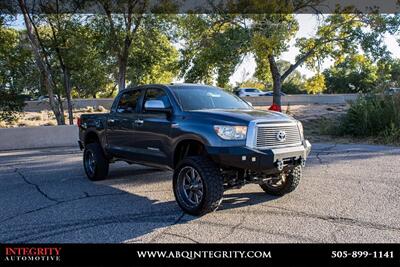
211,139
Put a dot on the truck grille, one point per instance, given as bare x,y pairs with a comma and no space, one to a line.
267,135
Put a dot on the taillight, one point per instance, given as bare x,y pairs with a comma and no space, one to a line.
78,122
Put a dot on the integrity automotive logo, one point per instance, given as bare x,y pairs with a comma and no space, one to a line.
32,254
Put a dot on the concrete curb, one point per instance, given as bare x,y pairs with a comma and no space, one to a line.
38,137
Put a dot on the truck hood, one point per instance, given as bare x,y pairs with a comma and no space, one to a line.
245,115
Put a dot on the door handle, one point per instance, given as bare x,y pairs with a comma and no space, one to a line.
139,122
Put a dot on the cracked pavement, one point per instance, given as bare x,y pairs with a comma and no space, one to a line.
349,193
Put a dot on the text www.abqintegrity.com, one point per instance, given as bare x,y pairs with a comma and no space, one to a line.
204,254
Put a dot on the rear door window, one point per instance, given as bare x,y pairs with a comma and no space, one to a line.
128,102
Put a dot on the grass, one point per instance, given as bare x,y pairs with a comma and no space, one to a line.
370,119
325,130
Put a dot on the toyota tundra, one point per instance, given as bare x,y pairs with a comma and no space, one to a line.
211,139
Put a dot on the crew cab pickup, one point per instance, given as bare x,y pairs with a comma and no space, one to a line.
211,139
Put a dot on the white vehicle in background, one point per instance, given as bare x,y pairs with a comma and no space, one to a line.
392,91
242,92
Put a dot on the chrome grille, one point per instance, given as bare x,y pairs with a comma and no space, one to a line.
267,135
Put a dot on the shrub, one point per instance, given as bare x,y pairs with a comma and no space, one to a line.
292,88
392,134
10,104
36,118
373,116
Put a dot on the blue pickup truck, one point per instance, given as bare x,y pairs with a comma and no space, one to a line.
211,139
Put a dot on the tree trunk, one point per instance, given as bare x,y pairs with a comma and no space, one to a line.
122,64
121,73
276,80
66,75
67,86
48,80
60,104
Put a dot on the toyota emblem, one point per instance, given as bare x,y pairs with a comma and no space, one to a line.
281,136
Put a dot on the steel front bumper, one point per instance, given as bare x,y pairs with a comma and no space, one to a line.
259,160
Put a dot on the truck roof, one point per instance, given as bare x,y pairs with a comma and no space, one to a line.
187,85
173,85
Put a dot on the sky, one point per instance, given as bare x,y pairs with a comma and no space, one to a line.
307,27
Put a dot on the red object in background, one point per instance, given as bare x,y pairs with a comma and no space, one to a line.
78,122
275,107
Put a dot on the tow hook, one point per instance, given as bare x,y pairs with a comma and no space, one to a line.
303,162
279,165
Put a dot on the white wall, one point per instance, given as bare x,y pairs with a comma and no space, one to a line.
304,99
38,137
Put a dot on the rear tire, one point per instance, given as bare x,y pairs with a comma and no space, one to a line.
94,162
198,185
290,183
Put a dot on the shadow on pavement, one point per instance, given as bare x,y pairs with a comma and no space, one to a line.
81,211
238,200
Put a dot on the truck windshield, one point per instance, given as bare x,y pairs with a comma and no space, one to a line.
205,97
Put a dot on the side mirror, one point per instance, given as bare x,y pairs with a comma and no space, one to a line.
156,105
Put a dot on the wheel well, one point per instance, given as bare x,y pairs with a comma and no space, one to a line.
188,148
91,138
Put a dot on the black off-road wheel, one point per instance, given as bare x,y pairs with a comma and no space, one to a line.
94,162
285,183
198,185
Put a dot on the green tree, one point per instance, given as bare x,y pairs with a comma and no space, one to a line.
120,34
91,73
293,84
345,32
212,47
119,31
15,72
393,70
338,35
153,59
42,62
356,73
315,84
58,29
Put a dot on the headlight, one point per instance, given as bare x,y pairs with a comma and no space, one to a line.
231,132
300,125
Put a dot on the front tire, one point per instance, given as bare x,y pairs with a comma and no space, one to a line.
285,183
94,162
198,185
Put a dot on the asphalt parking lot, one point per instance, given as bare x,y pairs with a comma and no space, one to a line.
349,193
